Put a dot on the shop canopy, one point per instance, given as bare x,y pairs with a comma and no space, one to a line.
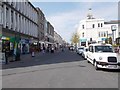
11,39
15,39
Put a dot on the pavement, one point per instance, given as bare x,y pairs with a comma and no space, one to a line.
59,70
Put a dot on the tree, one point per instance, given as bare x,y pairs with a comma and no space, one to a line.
75,38
110,40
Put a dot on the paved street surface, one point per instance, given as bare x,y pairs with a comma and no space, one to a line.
59,70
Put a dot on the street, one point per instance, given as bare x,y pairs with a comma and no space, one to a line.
56,70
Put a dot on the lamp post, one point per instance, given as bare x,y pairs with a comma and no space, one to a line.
113,28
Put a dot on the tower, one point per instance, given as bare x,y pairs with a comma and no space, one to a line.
89,15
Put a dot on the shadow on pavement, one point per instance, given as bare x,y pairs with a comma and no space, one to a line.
45,58
111,70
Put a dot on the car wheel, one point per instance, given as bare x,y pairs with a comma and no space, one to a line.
96,66
85,57
88,61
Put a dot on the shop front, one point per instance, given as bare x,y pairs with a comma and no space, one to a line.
6,47
5,44
24,46
118,41
83,42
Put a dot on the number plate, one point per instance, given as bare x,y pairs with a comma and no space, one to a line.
112,66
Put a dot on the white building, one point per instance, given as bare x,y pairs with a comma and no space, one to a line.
19,19
92,30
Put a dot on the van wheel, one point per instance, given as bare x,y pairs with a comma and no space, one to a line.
96,66
88,61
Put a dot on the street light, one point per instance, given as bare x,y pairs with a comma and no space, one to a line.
113,28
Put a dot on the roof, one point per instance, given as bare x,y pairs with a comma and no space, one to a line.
113,22
98,44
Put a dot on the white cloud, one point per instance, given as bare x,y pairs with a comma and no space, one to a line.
66,23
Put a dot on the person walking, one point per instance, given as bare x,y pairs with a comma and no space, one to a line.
52,49
47,49
43,49
33,52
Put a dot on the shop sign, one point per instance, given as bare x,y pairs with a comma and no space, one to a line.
103,39
83,40
24,41
5,38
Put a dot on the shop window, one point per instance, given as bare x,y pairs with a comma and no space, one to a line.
104,34
90,39
101,34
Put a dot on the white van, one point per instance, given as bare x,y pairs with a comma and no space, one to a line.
102,56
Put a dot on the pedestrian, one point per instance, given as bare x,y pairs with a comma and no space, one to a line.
6,51
33,52
6,57
48,49
52,49
43,49
119,49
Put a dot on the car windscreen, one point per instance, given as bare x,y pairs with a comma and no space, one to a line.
80,48
103,49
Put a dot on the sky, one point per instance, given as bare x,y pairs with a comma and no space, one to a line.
65,16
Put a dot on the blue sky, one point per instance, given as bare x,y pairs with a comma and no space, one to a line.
65,16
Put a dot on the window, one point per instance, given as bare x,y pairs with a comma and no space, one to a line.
99,34
104,34
93,26
7,17
83,27
90,39
101,25
12,16
83,34
91,49
98,24
119,33
103,49
107,33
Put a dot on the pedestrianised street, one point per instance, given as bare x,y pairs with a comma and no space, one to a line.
56,70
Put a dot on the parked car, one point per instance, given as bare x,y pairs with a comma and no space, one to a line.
84,53
71,48
80,50
103,56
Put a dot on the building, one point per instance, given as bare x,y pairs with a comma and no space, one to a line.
41,27
58,40
49,34
92,30
116,32
19,25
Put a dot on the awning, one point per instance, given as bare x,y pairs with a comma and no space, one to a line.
5,38
83,40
